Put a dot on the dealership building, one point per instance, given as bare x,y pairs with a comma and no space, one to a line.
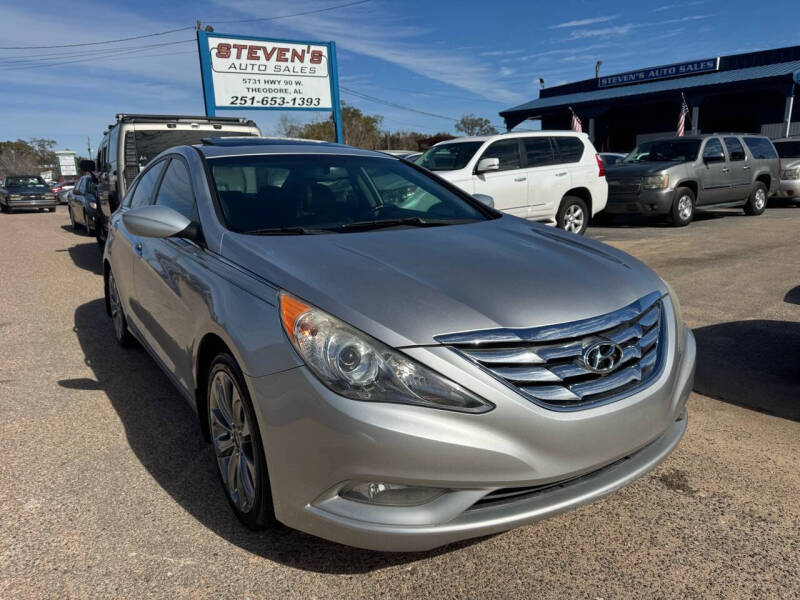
753,92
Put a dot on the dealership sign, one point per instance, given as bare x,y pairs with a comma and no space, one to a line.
663,72
242,72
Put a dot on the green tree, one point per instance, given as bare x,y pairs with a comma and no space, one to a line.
472,125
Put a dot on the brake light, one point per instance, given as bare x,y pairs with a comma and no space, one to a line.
601,168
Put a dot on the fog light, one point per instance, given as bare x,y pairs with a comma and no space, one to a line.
389,494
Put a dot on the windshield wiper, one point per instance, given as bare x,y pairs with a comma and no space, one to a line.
286,231
380,224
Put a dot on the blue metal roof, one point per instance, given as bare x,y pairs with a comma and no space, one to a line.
681,83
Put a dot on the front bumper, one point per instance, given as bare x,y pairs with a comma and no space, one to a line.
645,202
46,202
789,188
316,441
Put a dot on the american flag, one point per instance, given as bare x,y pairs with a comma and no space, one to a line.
682,116
576,122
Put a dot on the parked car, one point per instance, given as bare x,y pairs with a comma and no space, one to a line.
789,153
390,371
413,157
60,190
129,144
25,191
400,153
82,204
678,175
612,158
555,177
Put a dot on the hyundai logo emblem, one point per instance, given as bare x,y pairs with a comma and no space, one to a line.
602,356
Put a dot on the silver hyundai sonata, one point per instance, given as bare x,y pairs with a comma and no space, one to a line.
380,359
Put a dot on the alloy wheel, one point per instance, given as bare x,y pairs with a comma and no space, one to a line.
760,199
685,208
116,308
573,218
232,436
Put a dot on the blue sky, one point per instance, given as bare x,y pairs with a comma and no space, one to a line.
444,57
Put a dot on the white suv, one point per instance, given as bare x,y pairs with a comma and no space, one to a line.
550,176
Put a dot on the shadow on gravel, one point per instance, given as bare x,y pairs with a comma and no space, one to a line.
754,364
793,296
87,256
634,221
162,431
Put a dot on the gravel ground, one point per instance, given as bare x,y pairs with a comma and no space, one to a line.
106,489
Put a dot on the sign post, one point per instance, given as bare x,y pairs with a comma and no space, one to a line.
242,72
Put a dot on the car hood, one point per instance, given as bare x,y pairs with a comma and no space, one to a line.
23,190
407,286
790,163
622,171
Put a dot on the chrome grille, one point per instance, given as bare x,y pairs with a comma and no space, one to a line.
546,364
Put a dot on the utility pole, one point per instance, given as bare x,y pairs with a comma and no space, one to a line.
597,69
89,146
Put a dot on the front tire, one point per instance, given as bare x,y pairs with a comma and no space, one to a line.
121,331
757,202
238,451
52,209
573,215
86,223
682,211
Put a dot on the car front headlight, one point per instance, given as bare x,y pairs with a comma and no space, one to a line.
676,309
357,366
93,205
791,173
15,197
655,182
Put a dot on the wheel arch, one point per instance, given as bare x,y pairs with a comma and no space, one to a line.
692,185
209,346
764,177
582,193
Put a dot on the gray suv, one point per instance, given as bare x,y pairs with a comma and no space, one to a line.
675,176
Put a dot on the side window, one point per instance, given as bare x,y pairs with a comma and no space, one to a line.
713,148
570,149
761,147
735,148
143,194
508,153
538,151
176,190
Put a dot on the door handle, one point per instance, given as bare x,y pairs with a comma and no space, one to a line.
561,174
139,248
725,170
520,178
746,167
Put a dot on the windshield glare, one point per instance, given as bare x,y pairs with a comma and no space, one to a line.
448,157
25,181
788,149
330,192
679,150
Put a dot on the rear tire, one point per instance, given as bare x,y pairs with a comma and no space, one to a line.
573,215
4,208
238,451
71,218
682,211
99,234
757,202
86,223
121,331
52,209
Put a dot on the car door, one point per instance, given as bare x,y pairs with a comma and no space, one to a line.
714,173
164,281
740,169
76,201
123,245
508,185
548,178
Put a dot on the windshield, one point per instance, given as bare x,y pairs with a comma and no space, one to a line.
150,144
788,149
448,157
676,150
25,181
270,194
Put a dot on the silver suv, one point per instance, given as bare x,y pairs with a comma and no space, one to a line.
381,360
675,176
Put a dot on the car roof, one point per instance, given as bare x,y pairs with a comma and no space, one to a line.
512,134
233,146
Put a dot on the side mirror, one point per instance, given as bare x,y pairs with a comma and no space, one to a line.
488,164
159,222
487,200
87,166
714,158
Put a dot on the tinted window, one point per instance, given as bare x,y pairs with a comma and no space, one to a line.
538,151
788,149
508,153
333,192
735,149
25,181
760,147
611,159
449,157
675,149
570,149
176,190
713,148
143,194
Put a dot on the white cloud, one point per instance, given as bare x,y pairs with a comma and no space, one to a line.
678,5
582,22
580,34
506,71
501,52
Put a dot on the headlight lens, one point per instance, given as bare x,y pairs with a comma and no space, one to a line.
676,309
655,182
356,366
93,205
791,173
